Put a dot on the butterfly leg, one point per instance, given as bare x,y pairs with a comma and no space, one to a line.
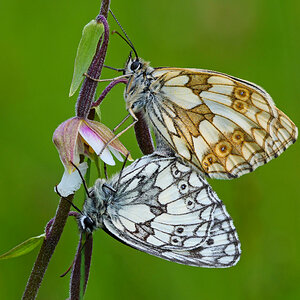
133,115
120,133
107,79
121,123
105,171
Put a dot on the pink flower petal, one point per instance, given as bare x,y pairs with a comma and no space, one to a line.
107,135
70,183
65,138
96,143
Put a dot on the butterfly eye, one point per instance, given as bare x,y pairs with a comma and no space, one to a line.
88,223
135,65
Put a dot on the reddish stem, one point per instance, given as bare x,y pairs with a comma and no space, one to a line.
47,249
50,223
107,89
88,89
76,270
82,108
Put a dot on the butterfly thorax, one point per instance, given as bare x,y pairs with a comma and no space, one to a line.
141,86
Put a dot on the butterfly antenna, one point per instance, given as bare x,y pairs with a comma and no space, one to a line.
69,269
105,171
119,180
127,40
58,193
83,181
75,207
112,68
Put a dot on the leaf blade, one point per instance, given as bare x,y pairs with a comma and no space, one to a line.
23,248
85,52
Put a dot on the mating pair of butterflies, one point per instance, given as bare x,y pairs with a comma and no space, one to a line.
210,124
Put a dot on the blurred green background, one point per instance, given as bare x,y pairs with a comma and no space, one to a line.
257,40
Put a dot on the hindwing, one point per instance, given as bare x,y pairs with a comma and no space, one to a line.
165,208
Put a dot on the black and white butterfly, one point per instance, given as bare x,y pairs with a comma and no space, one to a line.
162,206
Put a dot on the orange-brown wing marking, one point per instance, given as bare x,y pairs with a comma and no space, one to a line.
224,125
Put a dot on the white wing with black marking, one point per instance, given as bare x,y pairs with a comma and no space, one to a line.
165,208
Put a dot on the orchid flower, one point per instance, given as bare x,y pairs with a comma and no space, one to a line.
78,136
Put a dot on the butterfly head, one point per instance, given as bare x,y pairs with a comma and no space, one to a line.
137,89
94,207
87,224
135,65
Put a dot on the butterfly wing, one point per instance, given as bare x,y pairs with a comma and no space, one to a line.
224,125
165,208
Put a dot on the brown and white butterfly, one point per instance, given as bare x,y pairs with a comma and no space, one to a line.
223,125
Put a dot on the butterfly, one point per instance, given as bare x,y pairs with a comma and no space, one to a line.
162,206
223,125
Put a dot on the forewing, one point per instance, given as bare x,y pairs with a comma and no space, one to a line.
224,125
168,210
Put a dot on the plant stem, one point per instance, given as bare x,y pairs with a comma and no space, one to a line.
47,249
107,89
49,244
88,90
80,271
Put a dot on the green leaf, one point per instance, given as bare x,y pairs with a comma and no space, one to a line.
86,49
24,247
